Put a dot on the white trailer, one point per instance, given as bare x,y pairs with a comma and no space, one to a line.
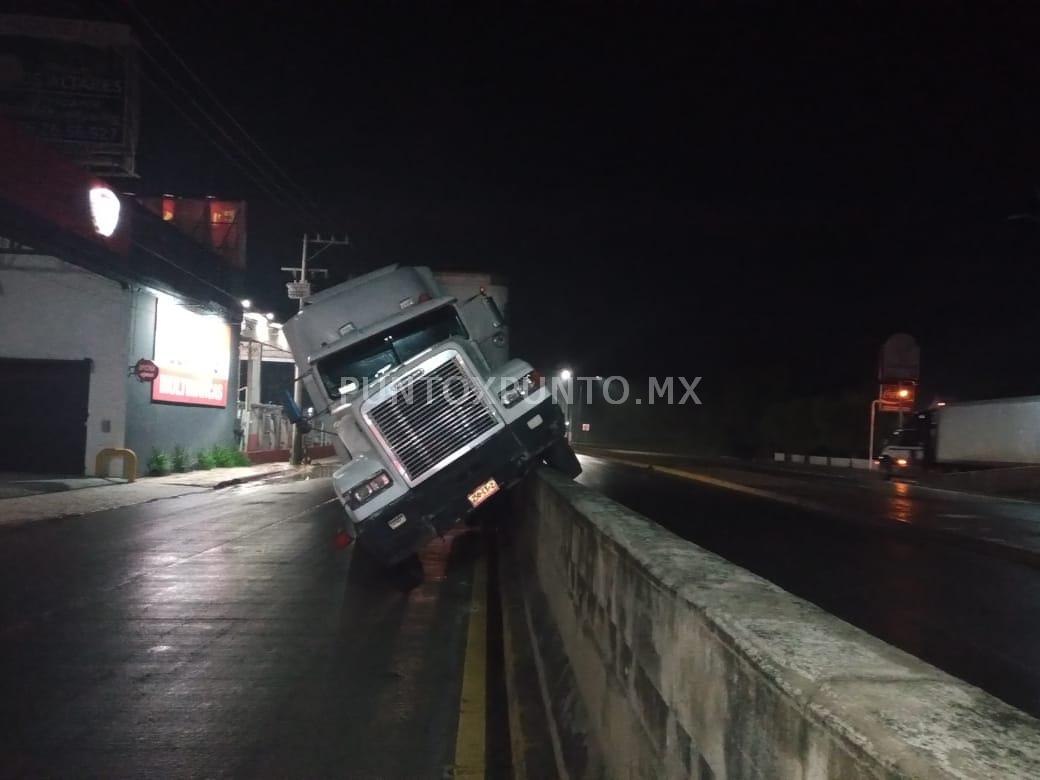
1000,432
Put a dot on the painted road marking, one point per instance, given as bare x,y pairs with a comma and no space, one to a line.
770,495
517,738
470,759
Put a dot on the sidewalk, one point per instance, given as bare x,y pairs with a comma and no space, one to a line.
63,497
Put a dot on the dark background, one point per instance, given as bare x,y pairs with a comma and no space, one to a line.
752,195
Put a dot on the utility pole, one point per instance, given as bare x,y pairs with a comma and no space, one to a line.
300,290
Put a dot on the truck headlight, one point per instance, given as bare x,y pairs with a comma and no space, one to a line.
520,389
366,490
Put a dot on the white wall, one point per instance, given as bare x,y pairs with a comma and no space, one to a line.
56,311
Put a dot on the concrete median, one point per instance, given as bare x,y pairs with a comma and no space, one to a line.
664,660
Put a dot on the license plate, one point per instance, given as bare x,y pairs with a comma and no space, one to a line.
483,493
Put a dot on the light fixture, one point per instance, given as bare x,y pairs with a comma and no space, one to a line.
246,303
104,210
566,375
269,315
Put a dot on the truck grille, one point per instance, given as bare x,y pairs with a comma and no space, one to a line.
433,419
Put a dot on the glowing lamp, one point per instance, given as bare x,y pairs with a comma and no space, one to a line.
104,210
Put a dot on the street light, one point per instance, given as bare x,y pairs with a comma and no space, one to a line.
246,303
270,316
566,375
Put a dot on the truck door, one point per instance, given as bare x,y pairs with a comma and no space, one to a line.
487,327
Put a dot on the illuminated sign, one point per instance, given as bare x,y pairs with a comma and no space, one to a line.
104,210
193,352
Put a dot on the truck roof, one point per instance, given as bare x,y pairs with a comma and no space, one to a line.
358,305
360,335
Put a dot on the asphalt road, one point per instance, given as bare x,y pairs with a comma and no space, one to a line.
219,634
844,545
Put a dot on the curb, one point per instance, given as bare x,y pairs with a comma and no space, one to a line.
250,478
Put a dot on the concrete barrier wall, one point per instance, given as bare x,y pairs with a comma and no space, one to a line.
820,460
679,664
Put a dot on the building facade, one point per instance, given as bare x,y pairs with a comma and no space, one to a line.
91,282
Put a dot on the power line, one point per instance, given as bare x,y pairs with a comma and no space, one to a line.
191,73
270,182
209,137
267,183
182,269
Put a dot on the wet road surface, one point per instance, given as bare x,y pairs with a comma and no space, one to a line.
217,634
972,613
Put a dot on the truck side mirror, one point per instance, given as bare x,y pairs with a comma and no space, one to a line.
295,414
487,327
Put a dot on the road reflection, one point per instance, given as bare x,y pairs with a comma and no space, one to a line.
900,506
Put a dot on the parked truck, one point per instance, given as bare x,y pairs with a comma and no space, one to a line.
433,415
971,435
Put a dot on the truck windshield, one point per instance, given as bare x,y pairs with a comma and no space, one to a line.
905,437
368,359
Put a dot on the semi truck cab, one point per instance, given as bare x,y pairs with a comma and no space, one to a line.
907,450
431,414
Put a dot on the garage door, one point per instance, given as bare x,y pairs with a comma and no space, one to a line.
43,415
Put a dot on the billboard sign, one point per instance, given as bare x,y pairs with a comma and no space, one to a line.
73,83
298,291
193,353
900,359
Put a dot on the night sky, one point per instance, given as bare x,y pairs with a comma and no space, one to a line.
754,196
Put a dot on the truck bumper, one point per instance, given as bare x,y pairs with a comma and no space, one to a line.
442,500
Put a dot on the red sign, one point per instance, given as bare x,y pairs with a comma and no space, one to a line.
884,406
145,370
187,387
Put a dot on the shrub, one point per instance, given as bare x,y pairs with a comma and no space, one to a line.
180,461
158,463
222,456
239,458
205,461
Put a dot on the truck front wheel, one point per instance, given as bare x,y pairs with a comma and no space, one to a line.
885,465
561,457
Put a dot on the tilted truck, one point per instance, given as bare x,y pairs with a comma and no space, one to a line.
976,434
432,415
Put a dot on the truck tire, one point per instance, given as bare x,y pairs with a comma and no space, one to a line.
561,457
885,466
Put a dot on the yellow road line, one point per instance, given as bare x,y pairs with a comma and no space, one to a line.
517,738
470,759
726,484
